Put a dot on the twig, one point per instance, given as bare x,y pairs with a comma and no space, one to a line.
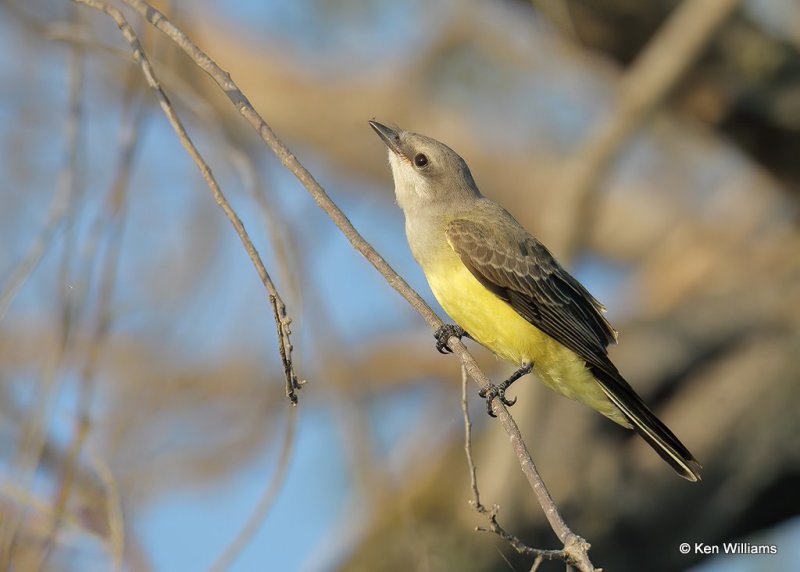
279,308
567,555
240,101
652,75
266,501
473,478
282,323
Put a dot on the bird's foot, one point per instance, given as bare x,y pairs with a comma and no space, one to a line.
491,391
499,391
443,335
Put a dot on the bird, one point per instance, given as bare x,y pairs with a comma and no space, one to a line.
505,290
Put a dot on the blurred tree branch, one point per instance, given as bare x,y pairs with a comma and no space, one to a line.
652,75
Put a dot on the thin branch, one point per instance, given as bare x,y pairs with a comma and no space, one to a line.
240,101
266,501
473,478
653,74
283,323
571,557
282,320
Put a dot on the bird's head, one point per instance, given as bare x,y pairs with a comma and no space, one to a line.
426,172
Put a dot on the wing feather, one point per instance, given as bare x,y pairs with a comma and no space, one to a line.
522,272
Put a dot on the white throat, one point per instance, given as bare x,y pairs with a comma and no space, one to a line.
411,188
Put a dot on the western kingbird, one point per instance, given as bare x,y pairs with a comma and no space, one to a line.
506,291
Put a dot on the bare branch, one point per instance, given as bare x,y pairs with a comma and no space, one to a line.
473,479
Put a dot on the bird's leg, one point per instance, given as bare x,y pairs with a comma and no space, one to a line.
443,335
491,391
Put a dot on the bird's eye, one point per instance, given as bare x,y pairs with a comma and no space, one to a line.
420,160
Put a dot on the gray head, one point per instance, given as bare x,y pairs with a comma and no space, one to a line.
427,174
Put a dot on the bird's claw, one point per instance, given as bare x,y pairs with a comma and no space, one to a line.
499,391
443,335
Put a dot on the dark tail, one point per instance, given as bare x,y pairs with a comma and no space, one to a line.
650,427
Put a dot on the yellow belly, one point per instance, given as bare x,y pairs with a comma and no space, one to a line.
496,325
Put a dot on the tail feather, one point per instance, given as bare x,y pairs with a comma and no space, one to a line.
651,428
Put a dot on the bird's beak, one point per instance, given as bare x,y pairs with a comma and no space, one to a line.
389,136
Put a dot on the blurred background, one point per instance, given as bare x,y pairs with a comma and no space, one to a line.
653,146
